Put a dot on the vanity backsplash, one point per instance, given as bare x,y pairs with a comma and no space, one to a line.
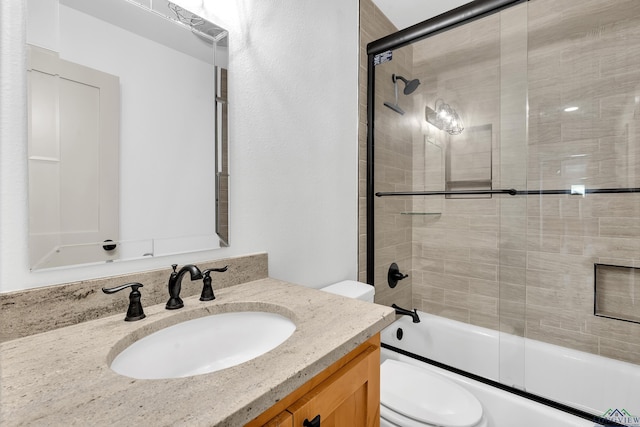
38,310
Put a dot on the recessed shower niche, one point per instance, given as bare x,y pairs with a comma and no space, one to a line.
617,292
461,163
468,161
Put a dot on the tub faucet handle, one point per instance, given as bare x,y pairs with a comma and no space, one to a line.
134,312
394,275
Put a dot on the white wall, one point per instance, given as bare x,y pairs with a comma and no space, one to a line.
405,13
293,105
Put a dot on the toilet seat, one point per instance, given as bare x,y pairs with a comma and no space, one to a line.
411,396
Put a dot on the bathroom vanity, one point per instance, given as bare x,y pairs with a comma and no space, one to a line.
327,367
345,394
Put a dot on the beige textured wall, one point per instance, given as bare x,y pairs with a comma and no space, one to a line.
523,265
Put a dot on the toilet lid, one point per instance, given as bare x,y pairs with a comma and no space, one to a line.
426,396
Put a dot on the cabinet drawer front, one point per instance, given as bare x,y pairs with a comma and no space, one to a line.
346,398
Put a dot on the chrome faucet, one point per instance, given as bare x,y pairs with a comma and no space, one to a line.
175,284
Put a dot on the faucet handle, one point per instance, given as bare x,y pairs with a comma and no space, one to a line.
217,270
394,275
134,312
207,290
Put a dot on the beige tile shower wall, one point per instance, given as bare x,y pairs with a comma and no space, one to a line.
456,261
584,54
393,162
513,169
525,265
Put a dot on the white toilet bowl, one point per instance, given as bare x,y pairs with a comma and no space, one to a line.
411,396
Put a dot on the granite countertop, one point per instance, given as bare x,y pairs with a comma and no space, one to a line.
62,377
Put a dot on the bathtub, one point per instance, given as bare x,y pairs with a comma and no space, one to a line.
591,384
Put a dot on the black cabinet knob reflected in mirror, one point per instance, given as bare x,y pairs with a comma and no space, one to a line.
109,246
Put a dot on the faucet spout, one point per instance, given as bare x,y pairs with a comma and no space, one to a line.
175,284
413,314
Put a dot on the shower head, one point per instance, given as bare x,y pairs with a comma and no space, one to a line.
409,85
394,107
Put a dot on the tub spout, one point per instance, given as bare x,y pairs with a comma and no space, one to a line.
413,314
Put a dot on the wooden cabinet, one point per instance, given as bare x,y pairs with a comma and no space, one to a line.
347,394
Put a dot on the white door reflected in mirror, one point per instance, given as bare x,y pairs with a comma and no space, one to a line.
73,160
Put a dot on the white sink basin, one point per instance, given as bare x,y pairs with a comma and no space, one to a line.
203,345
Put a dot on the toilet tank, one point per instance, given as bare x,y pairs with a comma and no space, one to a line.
352,289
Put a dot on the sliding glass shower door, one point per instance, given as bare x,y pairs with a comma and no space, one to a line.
506,184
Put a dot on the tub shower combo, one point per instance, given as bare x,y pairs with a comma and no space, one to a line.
503,182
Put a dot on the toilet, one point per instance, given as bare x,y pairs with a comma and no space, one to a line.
352,289
411,396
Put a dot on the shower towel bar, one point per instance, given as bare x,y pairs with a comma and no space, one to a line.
509,191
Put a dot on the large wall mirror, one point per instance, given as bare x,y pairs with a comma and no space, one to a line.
127,131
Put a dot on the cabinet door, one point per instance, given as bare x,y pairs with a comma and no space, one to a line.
348,398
